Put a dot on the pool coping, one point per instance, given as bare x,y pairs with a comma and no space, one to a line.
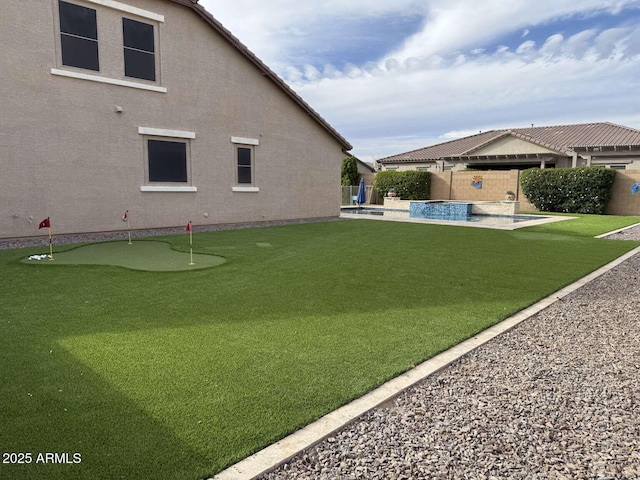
287,448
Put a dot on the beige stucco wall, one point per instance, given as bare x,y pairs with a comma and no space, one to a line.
457,186
494,185
67,154
510,145
622,201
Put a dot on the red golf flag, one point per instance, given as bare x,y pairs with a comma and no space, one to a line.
188,228
46,223
125,217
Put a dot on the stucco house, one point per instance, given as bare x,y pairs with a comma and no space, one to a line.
150,106
364,168
589,144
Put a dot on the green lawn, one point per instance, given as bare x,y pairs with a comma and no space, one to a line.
178,374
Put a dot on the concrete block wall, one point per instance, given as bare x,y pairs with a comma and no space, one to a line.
623,202
454,185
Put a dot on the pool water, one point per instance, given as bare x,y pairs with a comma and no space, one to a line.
474,218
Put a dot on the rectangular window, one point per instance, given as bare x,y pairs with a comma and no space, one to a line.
139,50
167,161
78,36
244,165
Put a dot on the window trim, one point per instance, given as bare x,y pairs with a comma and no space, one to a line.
245,141
123,7
250,143
108,80
161,134
166,188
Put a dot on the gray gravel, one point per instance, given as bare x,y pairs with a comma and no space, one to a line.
557,397
43,240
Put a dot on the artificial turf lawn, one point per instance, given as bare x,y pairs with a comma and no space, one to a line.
178,374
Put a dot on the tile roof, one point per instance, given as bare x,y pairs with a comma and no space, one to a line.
207,17
569,137
561,138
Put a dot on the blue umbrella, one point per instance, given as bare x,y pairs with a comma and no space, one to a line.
362,197
635,188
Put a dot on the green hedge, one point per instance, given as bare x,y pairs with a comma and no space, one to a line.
568,190
410,185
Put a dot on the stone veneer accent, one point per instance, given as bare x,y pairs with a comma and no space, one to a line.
479,208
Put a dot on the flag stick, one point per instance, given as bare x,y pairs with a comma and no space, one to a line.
50,246
129,229
191,246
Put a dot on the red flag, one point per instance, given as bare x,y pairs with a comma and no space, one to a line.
188,228
46,223
125,217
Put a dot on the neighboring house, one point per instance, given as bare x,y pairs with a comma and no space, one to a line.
150,106
590,144
364,168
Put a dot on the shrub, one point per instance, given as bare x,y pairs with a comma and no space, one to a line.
350,175
410,185
568,190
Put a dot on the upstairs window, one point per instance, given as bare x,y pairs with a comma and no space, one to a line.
78,36
244,165
139,50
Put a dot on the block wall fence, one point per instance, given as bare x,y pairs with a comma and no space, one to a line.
458,186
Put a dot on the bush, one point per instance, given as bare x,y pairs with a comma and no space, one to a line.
568,190
350,175
410,185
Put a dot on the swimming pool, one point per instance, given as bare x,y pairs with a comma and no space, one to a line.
505,222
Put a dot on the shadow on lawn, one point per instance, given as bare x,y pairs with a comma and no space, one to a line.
54,404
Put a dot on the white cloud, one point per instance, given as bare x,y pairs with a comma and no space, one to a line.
449,78
526,47
459,25
311,73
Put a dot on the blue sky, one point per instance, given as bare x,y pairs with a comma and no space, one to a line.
395,75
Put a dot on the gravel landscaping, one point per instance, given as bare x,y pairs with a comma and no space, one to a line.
557,397
43,240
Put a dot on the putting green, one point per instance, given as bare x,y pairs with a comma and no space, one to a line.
139,255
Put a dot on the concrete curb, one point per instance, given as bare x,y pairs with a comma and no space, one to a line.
283,450
604,235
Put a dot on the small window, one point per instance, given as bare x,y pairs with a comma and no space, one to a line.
139,50
78,36
244,165
167,161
